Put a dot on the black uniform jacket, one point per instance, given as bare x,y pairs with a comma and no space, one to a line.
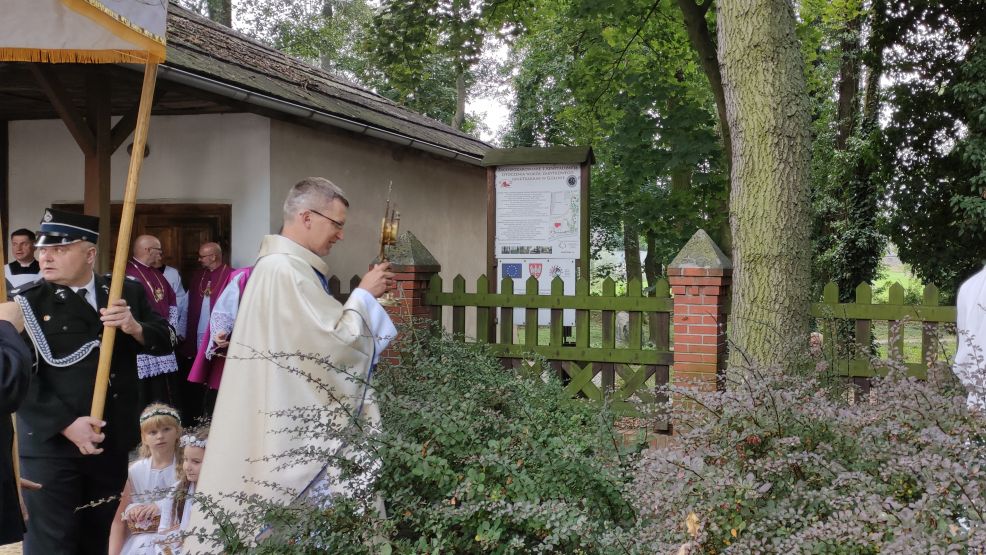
15,374
59,395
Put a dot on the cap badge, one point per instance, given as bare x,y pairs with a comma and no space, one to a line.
47,217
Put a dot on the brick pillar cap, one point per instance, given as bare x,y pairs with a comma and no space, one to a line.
701,252
409,254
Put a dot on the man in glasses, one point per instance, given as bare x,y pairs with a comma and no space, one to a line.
158,373
64,315
287,308
204,287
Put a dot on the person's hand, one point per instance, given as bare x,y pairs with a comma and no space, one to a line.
118,315
82,435
378,280
27,484
141,513
11,312
221,340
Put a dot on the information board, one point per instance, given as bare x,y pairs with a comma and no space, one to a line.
538,209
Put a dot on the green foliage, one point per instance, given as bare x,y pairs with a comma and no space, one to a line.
969,200
469,459
933,82
847,242
486,461
422,48
327,33
622,77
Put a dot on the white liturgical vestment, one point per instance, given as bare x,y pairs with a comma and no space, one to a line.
970,323
286,309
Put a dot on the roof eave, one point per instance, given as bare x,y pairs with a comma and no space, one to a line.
239,94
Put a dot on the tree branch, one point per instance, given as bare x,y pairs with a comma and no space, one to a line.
623,53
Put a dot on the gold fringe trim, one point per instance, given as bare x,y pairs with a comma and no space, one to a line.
121,27
73,56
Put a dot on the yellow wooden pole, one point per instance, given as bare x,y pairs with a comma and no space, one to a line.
123,242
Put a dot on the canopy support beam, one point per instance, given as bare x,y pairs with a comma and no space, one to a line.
60,100
97,185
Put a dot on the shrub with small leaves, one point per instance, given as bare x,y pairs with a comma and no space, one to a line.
469,458
783,462
483,460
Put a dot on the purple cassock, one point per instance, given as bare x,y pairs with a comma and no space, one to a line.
162,299
203,290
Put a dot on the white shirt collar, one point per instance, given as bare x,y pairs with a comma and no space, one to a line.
90,291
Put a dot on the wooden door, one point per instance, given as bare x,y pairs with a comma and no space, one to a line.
181,228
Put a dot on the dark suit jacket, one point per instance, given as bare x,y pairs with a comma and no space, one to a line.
15,374
59,395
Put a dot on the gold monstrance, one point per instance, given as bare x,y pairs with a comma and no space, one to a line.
388,236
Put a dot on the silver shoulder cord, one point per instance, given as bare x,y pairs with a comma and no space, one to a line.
41,347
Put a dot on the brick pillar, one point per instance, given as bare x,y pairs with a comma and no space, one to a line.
700,277
414,267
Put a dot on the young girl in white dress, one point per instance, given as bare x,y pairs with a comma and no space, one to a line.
176,508
134,529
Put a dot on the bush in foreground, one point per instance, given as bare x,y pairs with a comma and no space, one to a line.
782,462
470,458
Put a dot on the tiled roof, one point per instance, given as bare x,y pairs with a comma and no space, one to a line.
199,46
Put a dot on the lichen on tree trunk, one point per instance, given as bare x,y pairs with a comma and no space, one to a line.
767,110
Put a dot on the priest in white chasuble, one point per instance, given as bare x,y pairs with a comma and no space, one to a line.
287,308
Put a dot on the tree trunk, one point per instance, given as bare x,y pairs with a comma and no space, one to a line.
325,60
848,89
767,110
460,100
703,43
651,271
631,249
221,11
863,192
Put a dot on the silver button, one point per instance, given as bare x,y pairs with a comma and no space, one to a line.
112,376
64,328
115,395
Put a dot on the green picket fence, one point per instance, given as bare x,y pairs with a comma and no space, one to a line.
861,361
598,369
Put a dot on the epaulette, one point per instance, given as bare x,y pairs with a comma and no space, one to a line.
131,278
25,287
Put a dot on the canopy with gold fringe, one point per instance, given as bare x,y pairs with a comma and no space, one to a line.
95,31
83,31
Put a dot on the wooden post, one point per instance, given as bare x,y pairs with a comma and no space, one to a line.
97,163
4,184
492,276
123,243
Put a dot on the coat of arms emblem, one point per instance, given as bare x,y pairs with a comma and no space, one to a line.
534,269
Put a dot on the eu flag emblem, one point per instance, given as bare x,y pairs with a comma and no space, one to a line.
512,270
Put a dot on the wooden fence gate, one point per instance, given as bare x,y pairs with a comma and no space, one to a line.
593,364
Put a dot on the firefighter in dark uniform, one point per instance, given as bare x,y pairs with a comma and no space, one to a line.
64,315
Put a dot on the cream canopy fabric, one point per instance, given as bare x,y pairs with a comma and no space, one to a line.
83,31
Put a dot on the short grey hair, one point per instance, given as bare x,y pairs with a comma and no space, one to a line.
311,192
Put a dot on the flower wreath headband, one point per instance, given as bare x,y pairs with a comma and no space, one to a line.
192,441
162,411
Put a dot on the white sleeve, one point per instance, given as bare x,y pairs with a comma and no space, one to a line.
223,315
381,327
970,324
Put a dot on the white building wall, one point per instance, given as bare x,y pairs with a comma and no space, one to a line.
441,201
218,158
